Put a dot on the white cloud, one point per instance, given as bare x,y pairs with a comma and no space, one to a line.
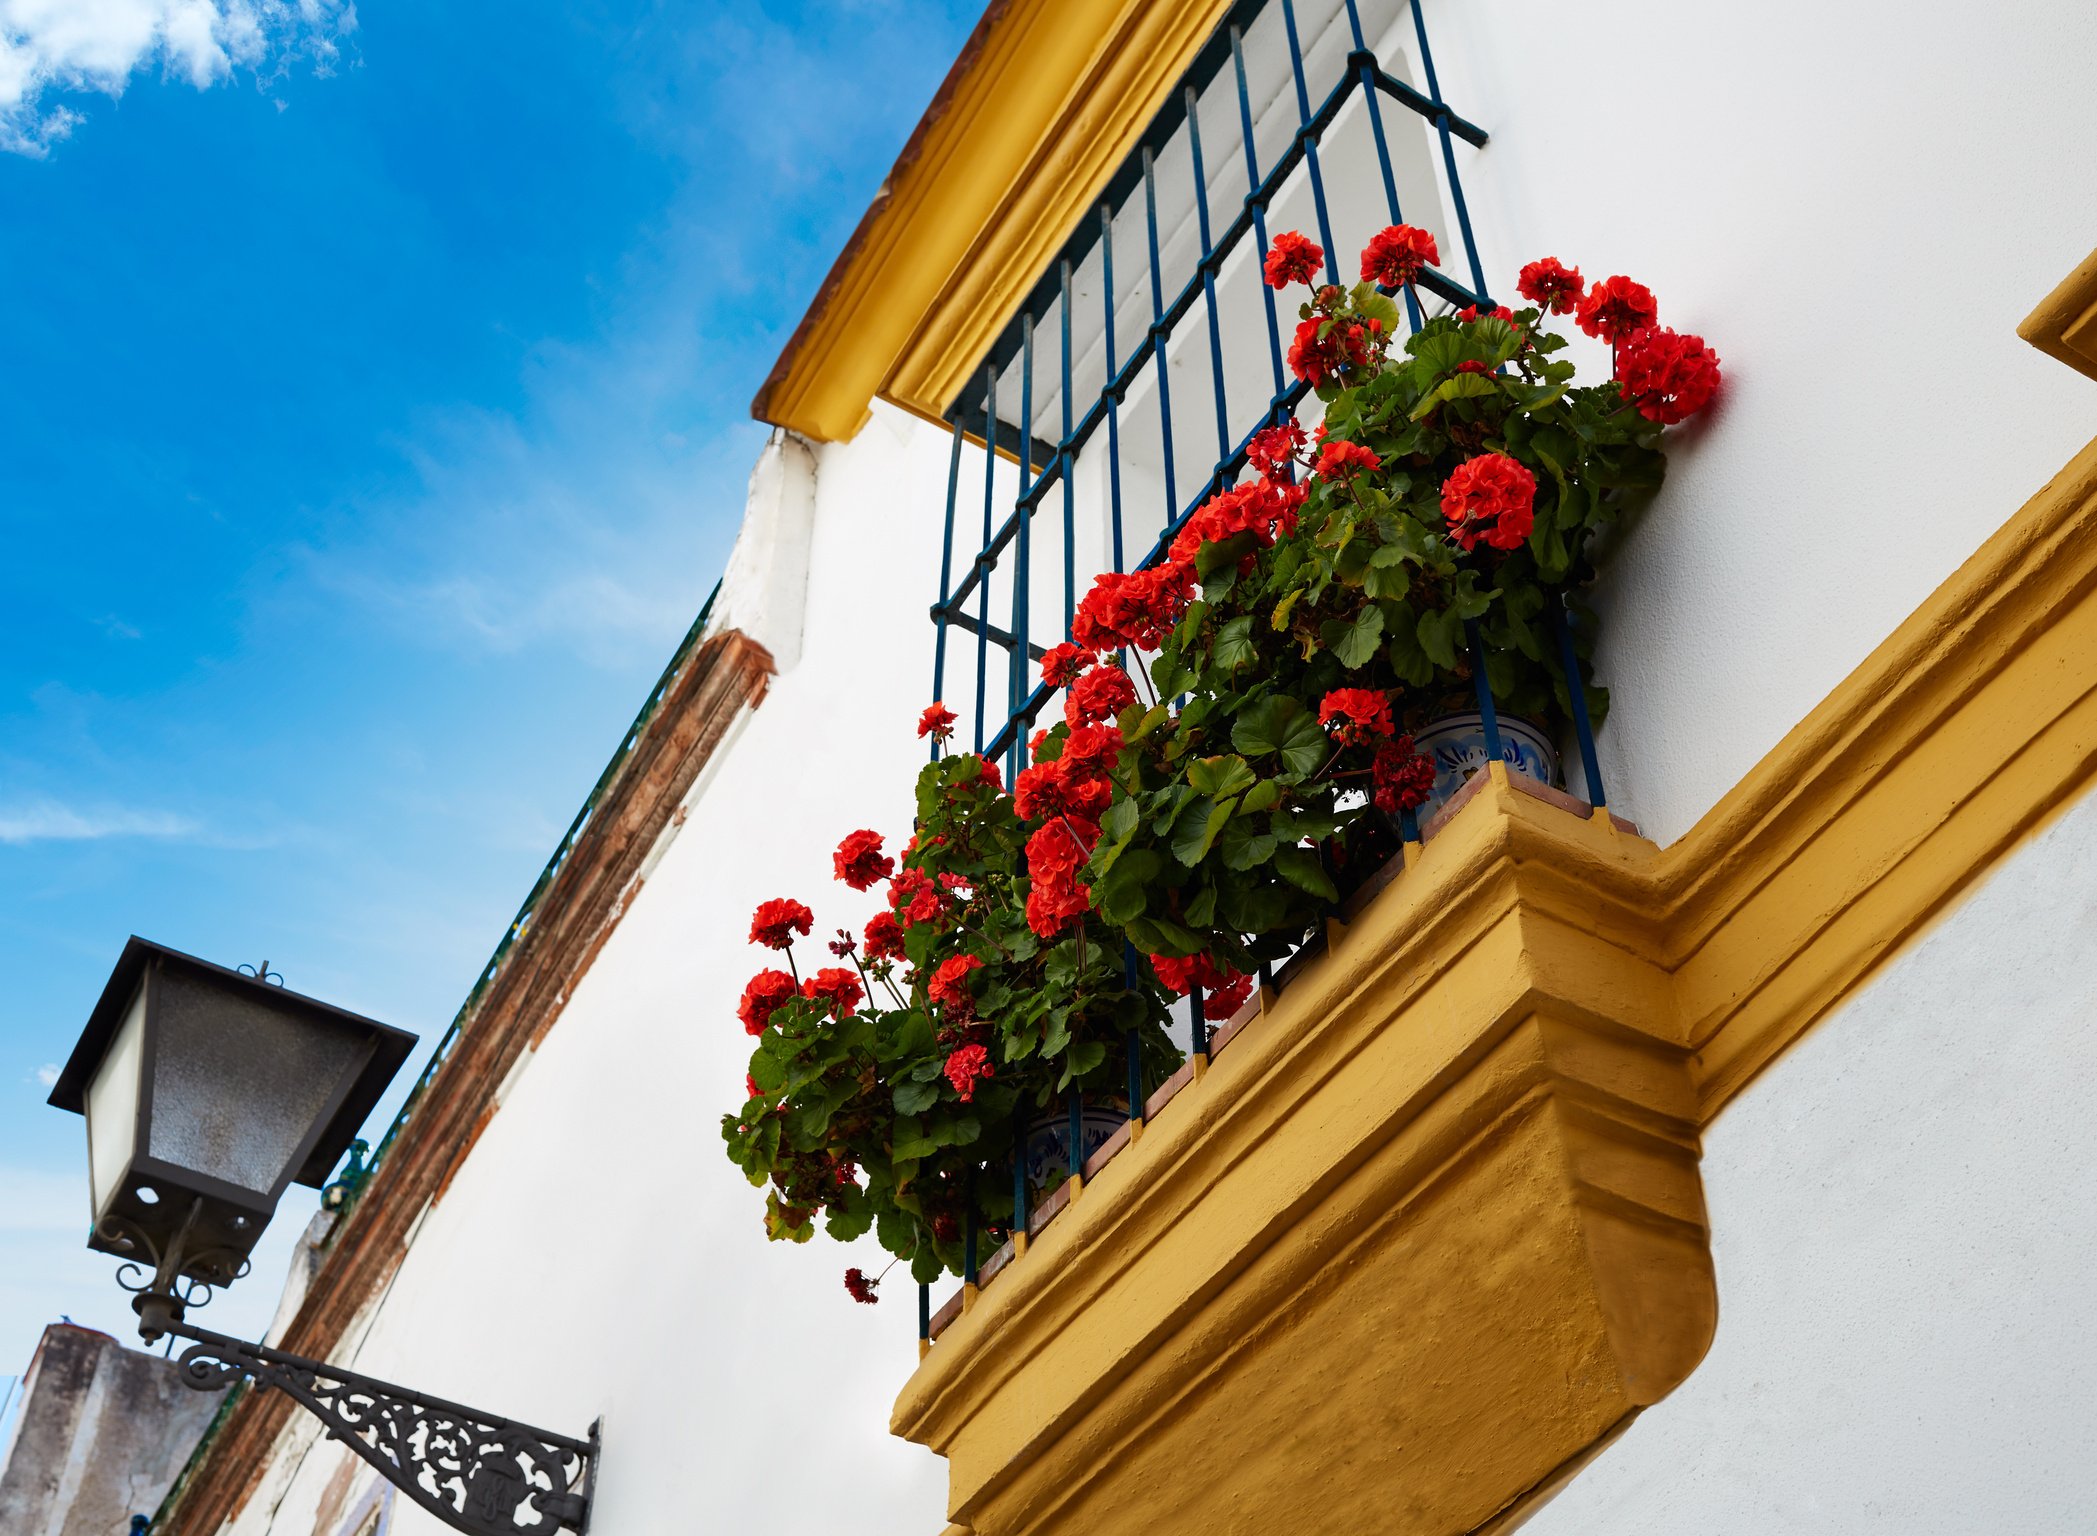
46,1075
48,47
41,821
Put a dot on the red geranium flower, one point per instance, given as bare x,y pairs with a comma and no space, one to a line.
1356,714
1223,1001
1264,508
1093,748
884,937
1395,256
1293,259
1061,664
750,1089
776,922
860,1287
1099,695
1137,609
1318,355
1616,309
1491,497
967,1066
1551,285
937,722
835,986
1404,777
949,985
1470,312
1275,449
1668,377
766,991
1061,788
859,861
914,897
1055,854
1472,365
1341,458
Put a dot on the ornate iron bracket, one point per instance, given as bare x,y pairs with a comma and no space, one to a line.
477,1473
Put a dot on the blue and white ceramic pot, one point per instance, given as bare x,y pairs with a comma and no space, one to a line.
1048,1144
1456,746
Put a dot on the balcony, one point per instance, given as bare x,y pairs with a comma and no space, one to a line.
1423,1234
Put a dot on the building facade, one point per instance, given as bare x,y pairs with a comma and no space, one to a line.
1711,1161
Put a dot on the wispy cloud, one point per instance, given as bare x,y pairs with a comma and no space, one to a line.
42,821
53,47
46,1075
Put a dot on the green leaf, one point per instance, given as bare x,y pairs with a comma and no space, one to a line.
1201,911
1361,638
914,1098
1463,386
1197,827
1437,634
1278,724
1217,777
1300,867
1280,621
1243,845
1261,796
1234,648
910,1141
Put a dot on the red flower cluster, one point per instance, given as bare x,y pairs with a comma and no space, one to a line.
859,861
1395,256
838,988
1318,356
766,991
1551,285
1616,309
937,722
1137,609
1340,458
1061,788
884,937
860,1287
1273,452
1099,695
1491,497
1668,377
1055,854
1093,748
1224,990
967,1066
1293,259
1265,508
750,1088
1356,715
949,985
776,922
914,898
1403,777
1470,312
1061,664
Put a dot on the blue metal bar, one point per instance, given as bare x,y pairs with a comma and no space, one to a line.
946,577
1019,1180
1364,64
1198,1036
1106,256
1259,216
1409,824
1441,122
1483,687
984,561
1023,576
1063,465
924,1313
1077,1133
1208,278
1310,151
1155,342
1576,694
1135,1039
968,1241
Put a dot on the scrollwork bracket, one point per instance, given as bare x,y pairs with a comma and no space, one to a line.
477,1473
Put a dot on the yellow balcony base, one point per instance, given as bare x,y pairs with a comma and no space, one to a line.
1424,1234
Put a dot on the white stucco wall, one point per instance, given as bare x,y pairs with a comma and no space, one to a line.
1855,203
598,1254
1905,1236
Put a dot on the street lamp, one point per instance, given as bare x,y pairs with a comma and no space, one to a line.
207,1092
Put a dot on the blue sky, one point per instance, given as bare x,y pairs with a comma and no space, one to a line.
373,420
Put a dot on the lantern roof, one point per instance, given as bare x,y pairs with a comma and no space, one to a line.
390,1045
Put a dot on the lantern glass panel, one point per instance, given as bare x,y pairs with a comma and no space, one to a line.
112,1107
241,1082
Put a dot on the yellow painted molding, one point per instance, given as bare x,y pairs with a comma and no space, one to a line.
1041,106
2065,323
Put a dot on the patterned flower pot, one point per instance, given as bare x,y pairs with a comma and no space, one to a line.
1048,1144
1455,744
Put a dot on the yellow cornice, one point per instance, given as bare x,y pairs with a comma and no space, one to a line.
1041,106
2065,323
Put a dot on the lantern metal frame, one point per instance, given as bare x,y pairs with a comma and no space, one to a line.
477,1472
